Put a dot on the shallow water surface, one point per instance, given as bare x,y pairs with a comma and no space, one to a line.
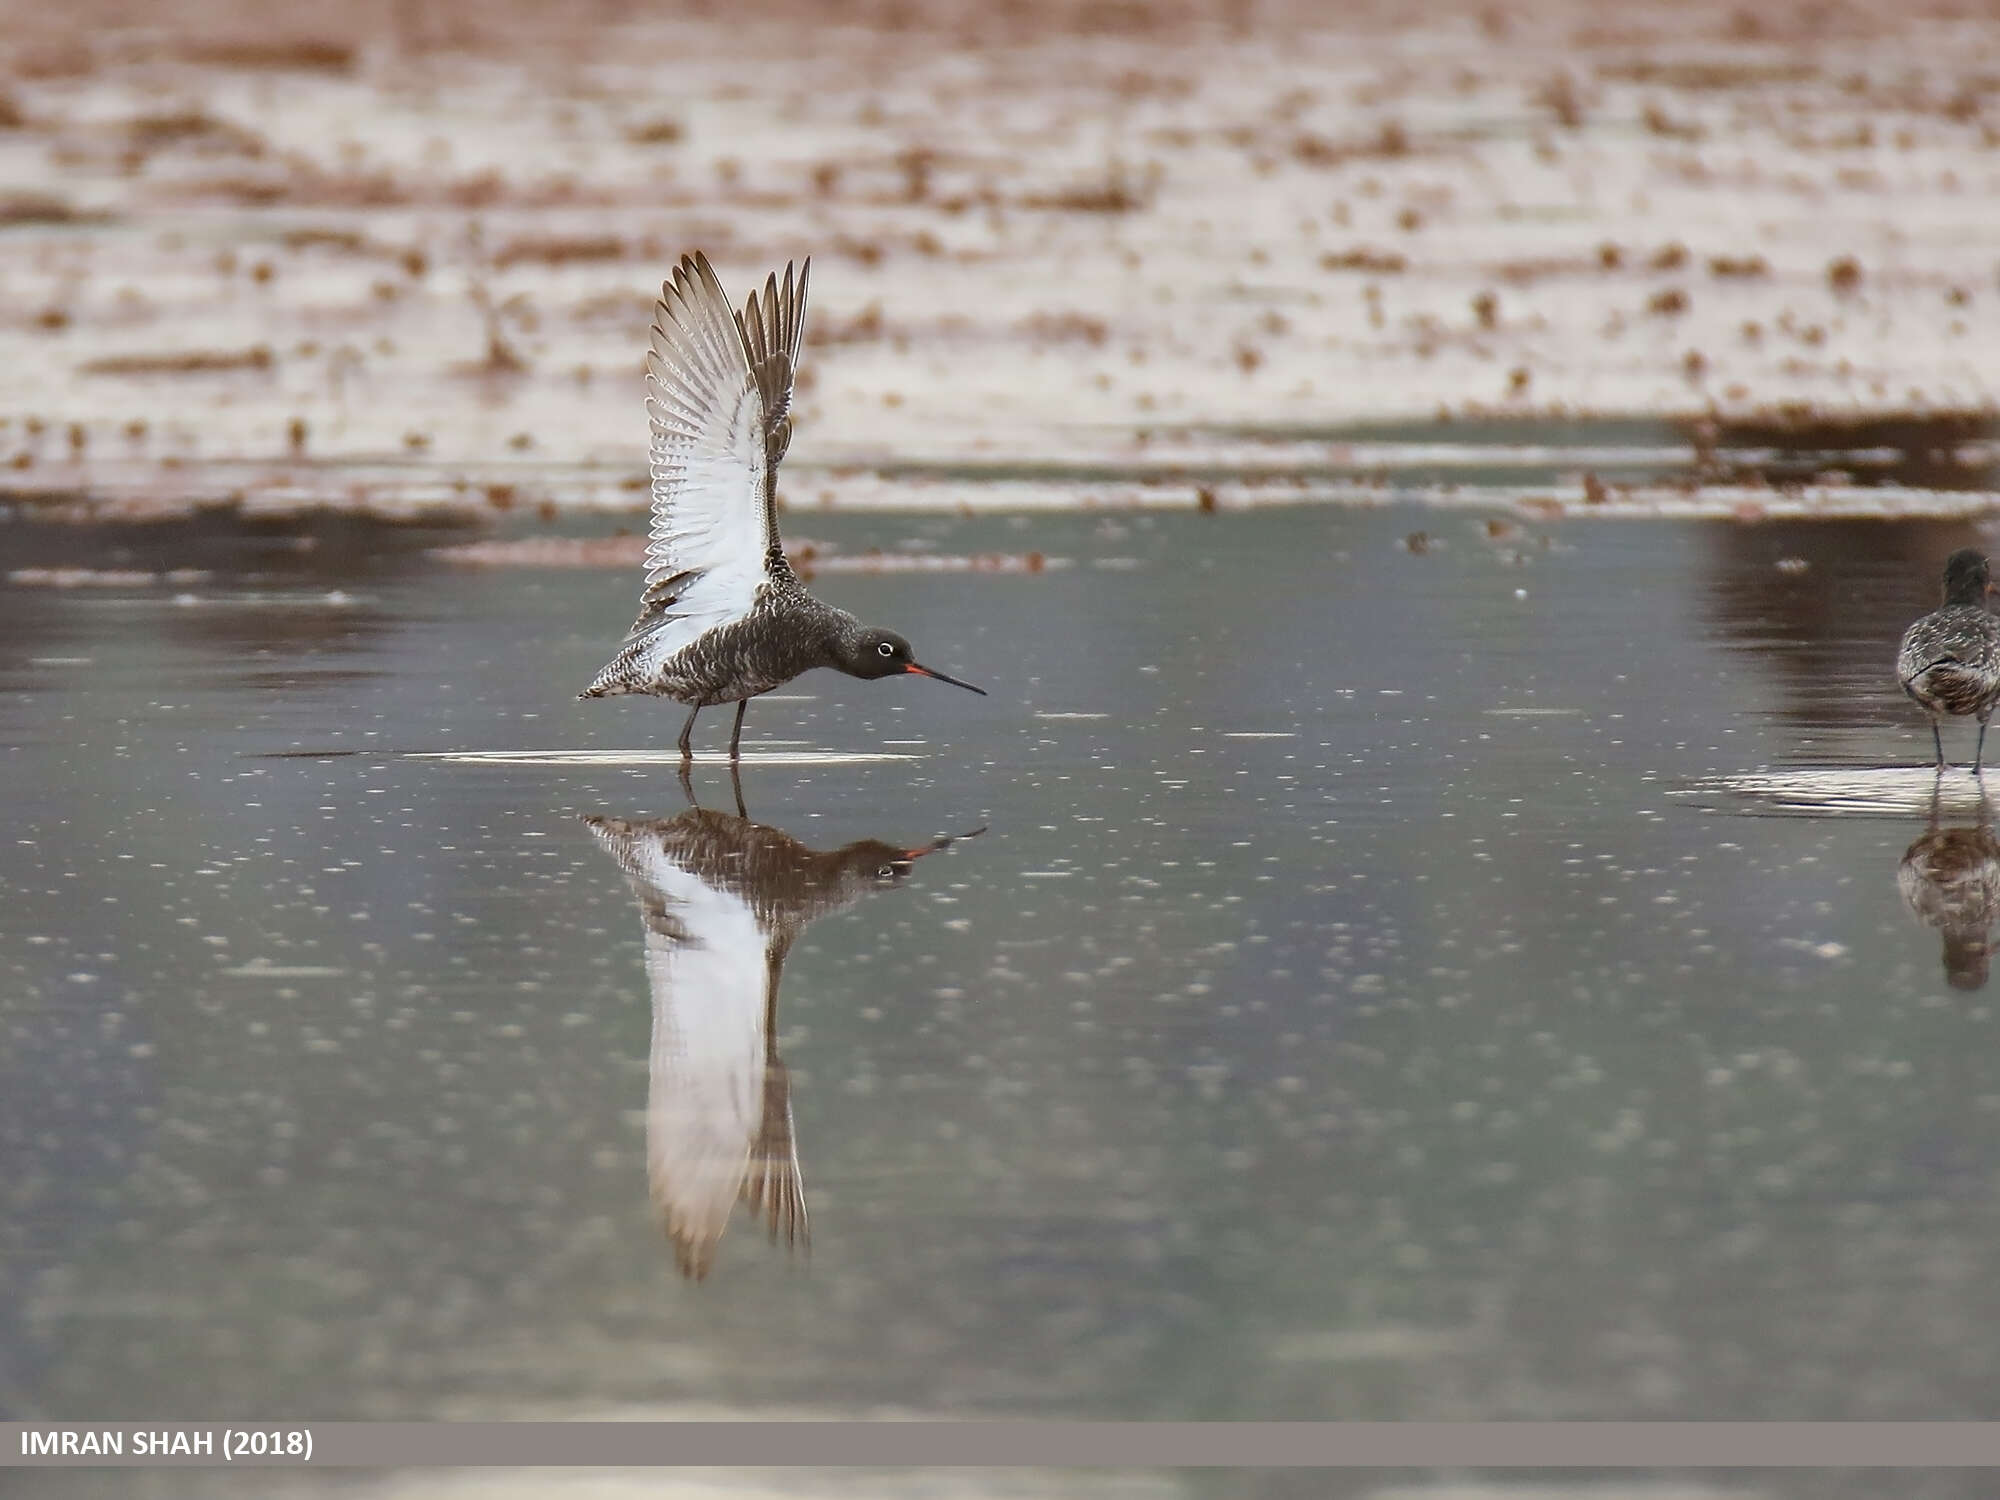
1376,993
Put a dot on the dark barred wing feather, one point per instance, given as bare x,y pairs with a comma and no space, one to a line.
1950,660
719,389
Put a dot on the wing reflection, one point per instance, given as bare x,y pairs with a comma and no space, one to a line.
1951,879
723,899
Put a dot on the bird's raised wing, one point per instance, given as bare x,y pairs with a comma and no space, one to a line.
709,1108
705,1101
719,392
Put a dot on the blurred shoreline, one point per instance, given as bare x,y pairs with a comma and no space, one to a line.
400,260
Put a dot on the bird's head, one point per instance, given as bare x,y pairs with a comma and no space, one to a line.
884,866
1967,579
882,653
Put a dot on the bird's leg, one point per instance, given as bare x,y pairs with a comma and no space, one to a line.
736,785
1979,750
687,734
687,786
1936,739
736,734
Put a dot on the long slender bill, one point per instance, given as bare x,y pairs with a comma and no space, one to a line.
927,672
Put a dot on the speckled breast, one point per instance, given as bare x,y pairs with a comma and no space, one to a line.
762,651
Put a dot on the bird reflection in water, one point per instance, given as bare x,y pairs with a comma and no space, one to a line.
1951,879
723,899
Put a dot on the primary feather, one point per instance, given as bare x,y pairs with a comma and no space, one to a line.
719,393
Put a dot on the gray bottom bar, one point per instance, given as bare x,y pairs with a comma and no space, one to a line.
1484,1445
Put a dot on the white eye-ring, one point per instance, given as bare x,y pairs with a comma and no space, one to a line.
886,649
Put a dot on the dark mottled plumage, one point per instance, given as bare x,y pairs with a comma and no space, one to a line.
1950,659
1951,879
723,618
723,899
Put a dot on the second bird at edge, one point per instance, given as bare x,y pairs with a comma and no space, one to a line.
723,618
1949,662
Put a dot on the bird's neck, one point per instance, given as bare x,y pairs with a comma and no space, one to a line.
842,634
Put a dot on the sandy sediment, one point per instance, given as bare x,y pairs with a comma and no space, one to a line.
401,259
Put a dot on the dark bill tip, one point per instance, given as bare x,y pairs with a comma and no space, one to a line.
927,672
942,843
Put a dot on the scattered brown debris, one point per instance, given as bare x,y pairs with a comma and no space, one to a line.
1597,304
301,183
40,208
662,132
1388,143
191,362
557,250
67,58
1742,267
1374,262
195,128
348,241
1064,327
1697,75
501,356
1119,192
302,54
1595,490
1660,123
1559,97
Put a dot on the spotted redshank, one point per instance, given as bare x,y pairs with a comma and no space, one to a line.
723,900
1950,659
723,617
1950,878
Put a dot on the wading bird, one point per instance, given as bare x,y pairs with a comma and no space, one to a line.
723,618
723,900
1950,659
1950,879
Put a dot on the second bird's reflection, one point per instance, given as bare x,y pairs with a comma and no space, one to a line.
723,899
1950,878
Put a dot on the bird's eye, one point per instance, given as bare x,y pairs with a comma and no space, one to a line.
886,649
887,872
